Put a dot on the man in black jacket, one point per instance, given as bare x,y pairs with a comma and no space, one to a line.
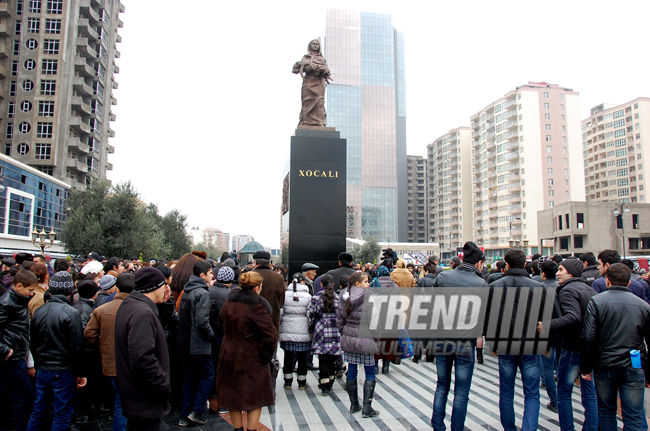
574,296
345,268
590,271
617,323
195,337
510,358
14,347
141,355
467,274
57,344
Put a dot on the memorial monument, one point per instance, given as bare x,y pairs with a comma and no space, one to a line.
314,186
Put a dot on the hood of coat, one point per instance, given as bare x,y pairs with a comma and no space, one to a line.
195,282
357,294
299,287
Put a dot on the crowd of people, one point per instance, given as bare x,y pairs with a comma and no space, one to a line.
137,339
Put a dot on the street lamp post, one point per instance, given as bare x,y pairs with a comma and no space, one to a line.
38,239
620,211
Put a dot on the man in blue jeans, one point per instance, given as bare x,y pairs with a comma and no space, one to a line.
516,289
574,296
616,323
467,274
57,343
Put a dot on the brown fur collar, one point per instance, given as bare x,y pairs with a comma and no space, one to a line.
248,297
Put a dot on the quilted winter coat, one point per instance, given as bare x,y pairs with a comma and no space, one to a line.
293,326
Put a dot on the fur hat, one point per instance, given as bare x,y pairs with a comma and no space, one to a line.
61,284
573,267
262,254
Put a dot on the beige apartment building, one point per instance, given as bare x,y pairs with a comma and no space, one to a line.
613,150
522,147
57,66
449,160
416,172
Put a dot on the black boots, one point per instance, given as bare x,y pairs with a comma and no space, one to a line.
351,386
368,393
325,387
385,366
479,355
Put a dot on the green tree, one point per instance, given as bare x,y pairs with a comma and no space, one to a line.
367,253
112,221
174,225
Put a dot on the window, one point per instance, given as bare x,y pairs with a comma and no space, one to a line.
53,26
51,46
10,131
24,127
55,6
562,117
551,204
564,149
549,159
619,123
11,109
42,151
17,28
550,182
50,67
19,7
545,95
25,106
550,171
549,149
12,88
546,106
548,127
34,6
45,109
16,47
28,85
566,172
551,193
561,96
30,64
48,88
23,149
33,25
547,116
636,116
618,114
566,217
8,149
14,68
31,44
577,241
548,138
562,107
44,130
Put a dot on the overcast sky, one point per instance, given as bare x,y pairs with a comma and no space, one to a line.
207,102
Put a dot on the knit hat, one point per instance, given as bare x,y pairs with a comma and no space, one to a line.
229,262
543,259
573,267
225,274
93,267
107,281
345,257
61,284
87,288
471,253
148,279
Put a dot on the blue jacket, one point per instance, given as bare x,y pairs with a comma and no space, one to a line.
635,287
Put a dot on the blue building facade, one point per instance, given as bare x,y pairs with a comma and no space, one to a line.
29,199
366,103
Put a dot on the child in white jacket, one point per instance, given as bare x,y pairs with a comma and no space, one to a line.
294,331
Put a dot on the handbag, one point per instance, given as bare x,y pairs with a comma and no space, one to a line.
405,343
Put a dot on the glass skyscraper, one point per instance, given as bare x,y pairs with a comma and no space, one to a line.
366,103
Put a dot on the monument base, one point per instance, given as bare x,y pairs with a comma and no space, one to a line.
317,198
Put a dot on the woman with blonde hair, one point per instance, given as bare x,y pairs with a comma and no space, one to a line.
249,342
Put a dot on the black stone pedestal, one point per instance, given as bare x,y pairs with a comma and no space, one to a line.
317,196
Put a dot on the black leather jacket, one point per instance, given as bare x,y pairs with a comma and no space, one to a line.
14,325
57,338
616,322
574,296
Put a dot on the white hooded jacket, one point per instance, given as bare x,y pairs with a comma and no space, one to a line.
294,326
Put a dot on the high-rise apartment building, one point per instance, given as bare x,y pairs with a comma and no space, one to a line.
614,151
416,174
522,148
56,85
449,190
239,241
366,103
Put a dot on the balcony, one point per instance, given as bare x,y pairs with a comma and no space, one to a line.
110,149
76,144
515,211
492,205
86,29
4,30
80,105
514,200
81,88
112,116
113,101
477,199
109,166
115,85
116,69
83,68
513,178
3,71
78,125
110,132
5,10
76,165
88,11
116,53
118,38
85,49
5,49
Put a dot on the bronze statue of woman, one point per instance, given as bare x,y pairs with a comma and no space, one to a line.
315,73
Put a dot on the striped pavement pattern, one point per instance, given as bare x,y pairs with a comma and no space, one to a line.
405,398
